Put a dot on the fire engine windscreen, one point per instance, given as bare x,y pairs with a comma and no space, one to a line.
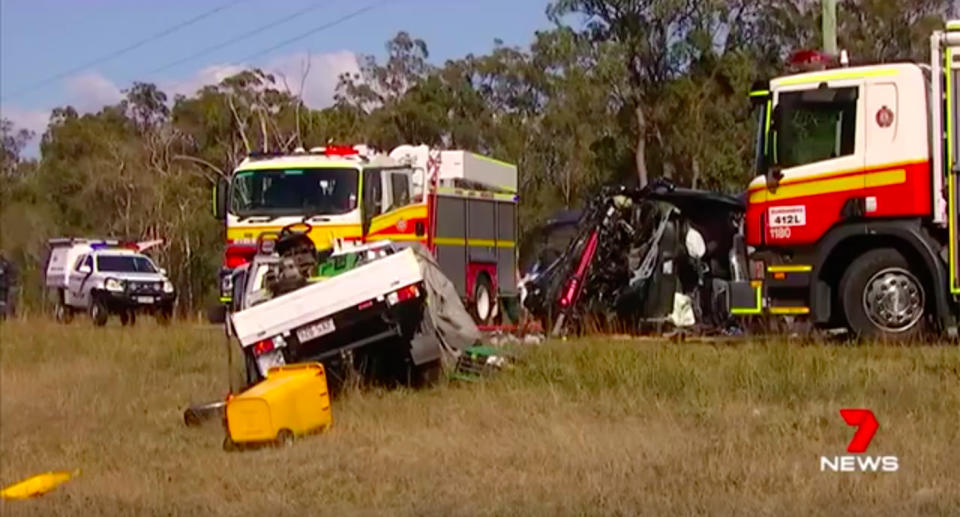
124,264
816,125
294,192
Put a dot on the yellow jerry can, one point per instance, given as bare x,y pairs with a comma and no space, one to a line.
292,401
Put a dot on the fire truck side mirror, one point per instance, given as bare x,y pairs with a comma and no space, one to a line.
220,199
774,175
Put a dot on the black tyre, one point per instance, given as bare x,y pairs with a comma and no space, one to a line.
882,298
484,300
62,313
128,318
98,312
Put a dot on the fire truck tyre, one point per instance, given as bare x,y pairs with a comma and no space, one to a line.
483,299
62,313
128,318
98,312
881,298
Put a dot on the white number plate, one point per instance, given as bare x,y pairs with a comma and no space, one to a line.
145,299
321,328
786,216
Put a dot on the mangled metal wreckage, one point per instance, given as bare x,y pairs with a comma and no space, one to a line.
643,260
381,308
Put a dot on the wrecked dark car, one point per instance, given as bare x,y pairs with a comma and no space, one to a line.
644,260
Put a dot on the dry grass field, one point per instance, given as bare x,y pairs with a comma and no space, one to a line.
599,427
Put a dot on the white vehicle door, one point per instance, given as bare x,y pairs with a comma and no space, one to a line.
81,271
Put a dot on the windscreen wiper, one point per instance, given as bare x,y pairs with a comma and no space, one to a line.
315,217
260,218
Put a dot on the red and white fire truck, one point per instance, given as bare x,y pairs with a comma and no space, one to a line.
460,205
852,220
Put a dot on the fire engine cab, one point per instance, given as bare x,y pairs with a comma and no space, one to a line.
852,217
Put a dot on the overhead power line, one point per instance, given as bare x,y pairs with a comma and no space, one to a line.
320,28
241,37
117,53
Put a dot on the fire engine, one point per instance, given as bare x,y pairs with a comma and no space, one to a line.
852,218
461,205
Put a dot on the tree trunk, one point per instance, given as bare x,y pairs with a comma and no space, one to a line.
641,154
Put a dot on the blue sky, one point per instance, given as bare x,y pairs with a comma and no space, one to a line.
42,38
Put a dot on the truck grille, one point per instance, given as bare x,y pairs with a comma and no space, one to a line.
144,287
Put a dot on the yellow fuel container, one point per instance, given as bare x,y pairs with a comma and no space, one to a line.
292,401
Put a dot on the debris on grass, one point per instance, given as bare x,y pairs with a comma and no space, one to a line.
38,485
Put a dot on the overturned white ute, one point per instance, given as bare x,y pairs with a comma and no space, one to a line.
363,307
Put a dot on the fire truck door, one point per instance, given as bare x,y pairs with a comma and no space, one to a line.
819,148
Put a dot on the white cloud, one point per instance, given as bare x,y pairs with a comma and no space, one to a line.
318,87
33,119
91,91
321,81
210,75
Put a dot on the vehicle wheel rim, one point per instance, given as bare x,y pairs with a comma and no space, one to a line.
894,300
483,303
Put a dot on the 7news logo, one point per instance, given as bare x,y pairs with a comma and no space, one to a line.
867,425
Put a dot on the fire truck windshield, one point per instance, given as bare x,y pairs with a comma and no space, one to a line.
294,192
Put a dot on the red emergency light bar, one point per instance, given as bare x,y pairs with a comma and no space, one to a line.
810,60
340,150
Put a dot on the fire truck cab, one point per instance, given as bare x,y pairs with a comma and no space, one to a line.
852,217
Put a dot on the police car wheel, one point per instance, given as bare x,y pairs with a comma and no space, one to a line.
62,313
98,313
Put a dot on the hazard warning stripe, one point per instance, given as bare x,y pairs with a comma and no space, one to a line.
832,185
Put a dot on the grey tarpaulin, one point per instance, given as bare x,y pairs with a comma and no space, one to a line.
454,326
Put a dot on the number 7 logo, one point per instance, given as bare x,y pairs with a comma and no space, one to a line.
866,425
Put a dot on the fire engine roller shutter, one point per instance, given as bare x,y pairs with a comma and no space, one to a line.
506,247
953,142
450,239
481,231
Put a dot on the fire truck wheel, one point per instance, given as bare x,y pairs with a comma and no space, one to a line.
98,312
483,300
881,298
